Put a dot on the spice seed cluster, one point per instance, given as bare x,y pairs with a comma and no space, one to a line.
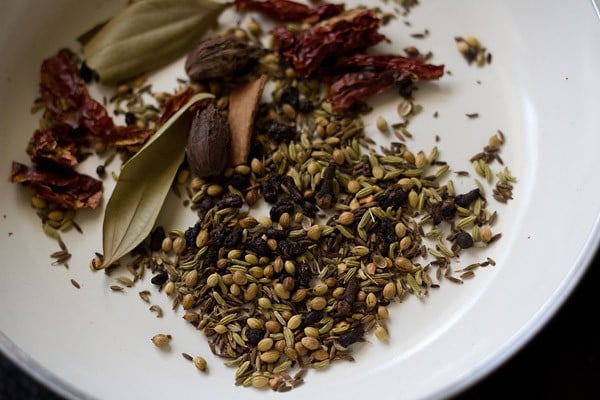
352,227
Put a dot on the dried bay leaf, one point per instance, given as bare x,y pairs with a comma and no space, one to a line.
148,34
143,185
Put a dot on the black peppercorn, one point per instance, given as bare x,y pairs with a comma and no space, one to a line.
254,336
190,235
309,209
311,318
101,171
281,207
259,246
443,211
352,336
281,132
303,274
130,118
212,255
233,237
277,234
392,197
387,234
159,279
464,240
290,95
270,188
465,200
87,74
230,201
156,238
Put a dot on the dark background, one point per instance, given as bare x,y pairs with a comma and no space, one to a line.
561,362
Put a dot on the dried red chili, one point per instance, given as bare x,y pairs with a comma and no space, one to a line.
66,96
290,11
131,137
61,186
54,145
345,34
356,87
389,62
75,121
174,103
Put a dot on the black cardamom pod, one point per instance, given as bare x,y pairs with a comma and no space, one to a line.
208,142
221,57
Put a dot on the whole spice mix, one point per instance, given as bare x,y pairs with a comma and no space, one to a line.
350,228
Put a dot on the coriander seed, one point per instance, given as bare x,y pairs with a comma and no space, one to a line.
161,340
200,363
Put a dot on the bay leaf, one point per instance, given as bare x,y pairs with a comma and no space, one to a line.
148,34
143,185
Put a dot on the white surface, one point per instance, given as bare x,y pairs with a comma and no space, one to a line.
542,90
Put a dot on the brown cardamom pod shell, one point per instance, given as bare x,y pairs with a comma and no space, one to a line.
208,142
221,57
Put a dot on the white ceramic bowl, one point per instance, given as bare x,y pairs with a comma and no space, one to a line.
542,89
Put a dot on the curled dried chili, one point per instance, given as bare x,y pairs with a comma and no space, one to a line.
389,62
73,121
345,34
290,11
66,96
130,137
174,103
69,105
356,87
61,186
54,145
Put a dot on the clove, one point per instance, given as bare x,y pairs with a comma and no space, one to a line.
325,195
287,182
344,305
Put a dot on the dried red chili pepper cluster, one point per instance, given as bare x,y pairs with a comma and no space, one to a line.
73,121
339,39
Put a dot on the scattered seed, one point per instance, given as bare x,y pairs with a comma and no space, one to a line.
156,309
200,363
161,340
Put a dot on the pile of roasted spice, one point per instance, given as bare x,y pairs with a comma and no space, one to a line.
351,229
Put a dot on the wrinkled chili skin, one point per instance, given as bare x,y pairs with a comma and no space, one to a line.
283,39
389,62
290,11
130,137
54,145
174,103
77,119
342,35
66,96
354,88
61,186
